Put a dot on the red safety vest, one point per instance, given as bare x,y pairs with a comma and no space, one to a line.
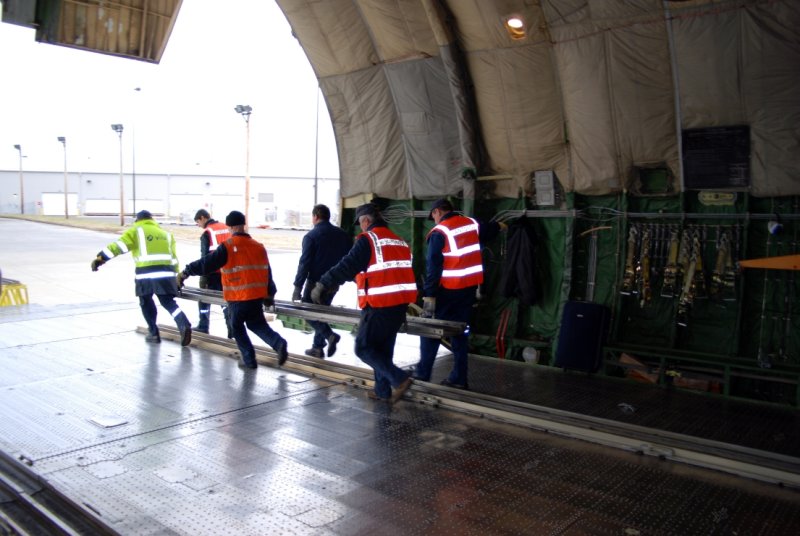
463,266
245,275
389,278
217,234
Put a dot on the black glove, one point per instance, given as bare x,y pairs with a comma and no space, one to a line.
203,282
318,292
297,294
269,301
97,263
428,307
182,276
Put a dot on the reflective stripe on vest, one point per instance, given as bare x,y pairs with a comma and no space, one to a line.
389,278
154,257
463,266
217,234
245,275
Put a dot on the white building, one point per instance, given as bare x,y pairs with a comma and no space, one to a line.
274,201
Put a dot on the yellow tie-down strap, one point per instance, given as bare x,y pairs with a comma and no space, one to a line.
14,293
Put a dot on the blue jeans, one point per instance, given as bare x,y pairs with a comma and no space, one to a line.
250,314
455,305
322,330
377,333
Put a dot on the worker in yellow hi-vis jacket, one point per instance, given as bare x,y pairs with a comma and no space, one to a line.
154,253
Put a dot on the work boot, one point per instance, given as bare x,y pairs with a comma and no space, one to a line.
399,391
282,351
315,352
152,338
242,365
201,329
186,335
333,340
448,383
372,395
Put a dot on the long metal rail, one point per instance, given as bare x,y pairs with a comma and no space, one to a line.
729,458
425,327
30,505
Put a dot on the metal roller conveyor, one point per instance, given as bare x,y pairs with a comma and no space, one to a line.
425,327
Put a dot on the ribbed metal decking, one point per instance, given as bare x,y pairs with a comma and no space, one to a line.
159,439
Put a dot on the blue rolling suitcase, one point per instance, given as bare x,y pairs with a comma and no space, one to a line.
583,332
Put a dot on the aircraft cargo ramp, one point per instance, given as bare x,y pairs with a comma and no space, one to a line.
104,433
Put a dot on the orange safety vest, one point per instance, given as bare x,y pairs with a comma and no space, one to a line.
245,275
217,234
389,278
463,266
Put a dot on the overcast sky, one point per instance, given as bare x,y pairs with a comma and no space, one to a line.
183,119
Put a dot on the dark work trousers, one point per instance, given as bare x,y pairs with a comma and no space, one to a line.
212,282
149,311
322,330
377,333
455,305
250,314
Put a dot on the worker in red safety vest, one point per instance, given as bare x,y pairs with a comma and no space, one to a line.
214,233
453,272
247,286
380,263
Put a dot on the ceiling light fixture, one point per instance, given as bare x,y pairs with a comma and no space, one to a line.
515,27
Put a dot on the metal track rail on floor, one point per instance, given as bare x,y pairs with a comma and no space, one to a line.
426,327
30,505
726,457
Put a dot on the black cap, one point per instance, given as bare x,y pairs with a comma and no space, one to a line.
234,218
367,209
440,203
144,215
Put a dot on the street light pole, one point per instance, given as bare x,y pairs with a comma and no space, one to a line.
21,188
118,129
63,141
246,110
316,154
133,151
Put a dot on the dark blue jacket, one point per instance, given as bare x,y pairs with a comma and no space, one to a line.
356,261
323,247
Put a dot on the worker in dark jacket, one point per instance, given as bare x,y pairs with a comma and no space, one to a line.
214,233
247,286
380,262
453,272
323,247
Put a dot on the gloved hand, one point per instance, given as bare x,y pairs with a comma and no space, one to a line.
318,292
428,307
297,294
97,263
182,276
503,226
269,302
203,281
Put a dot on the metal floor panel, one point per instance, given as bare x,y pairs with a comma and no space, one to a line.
194,446
769,428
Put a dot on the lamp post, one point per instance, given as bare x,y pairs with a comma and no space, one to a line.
118,129
316,154
63,141
246,110
133,150
21,189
